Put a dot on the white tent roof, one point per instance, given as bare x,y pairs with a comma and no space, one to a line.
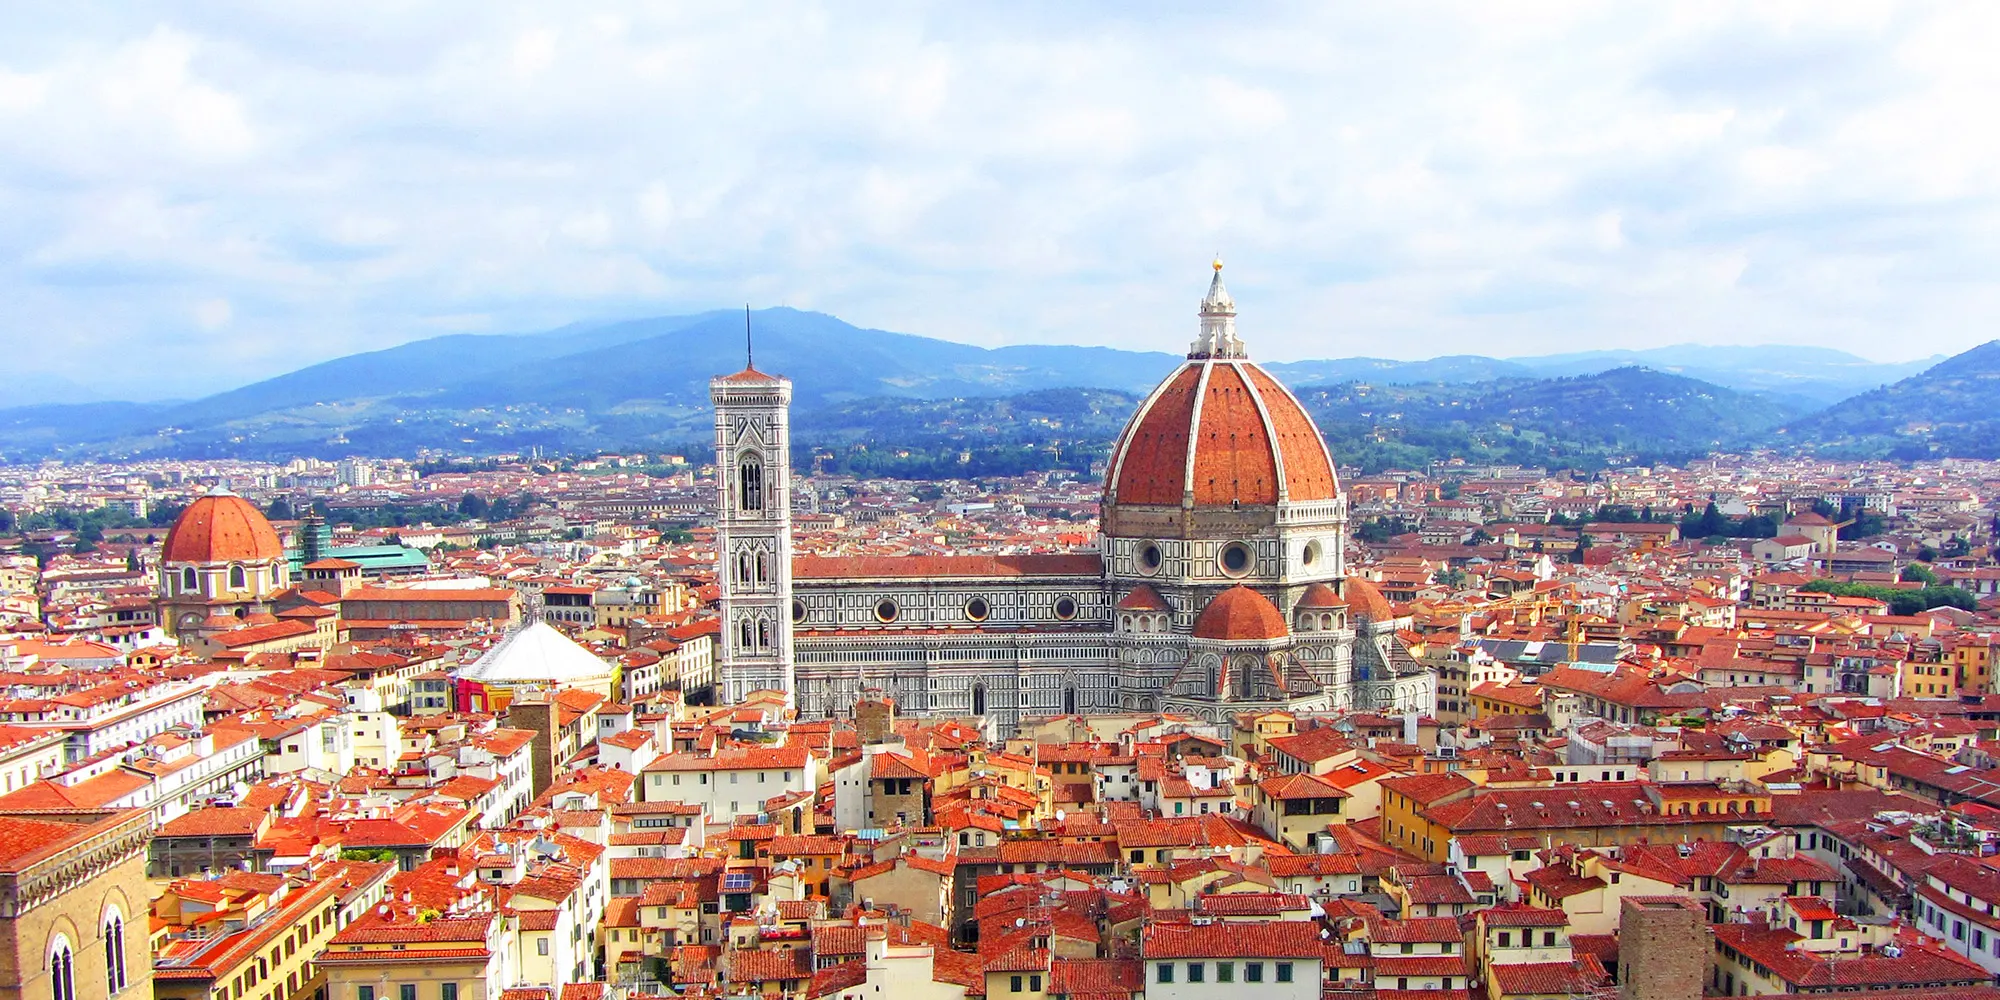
537,653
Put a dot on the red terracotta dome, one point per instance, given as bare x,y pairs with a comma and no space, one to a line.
1219,431
1238,614
1321,596
1144,598
221,527
1252,442
1366,601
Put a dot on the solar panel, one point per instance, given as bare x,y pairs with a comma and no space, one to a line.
738,881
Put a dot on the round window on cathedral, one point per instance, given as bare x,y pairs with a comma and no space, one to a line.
798,612
1235,559
977,609
885,611
1065,608
1150,558
1311,554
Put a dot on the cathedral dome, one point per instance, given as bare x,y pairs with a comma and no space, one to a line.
1144,598
1240,614
1320,596
221,527
1367,601
1220,431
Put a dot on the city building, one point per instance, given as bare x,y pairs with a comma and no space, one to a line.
1219,584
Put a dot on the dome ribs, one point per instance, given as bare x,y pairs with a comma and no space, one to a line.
1233,462
1221,432
1309,471
1155,452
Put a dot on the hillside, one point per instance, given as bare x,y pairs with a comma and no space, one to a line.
645,382
1948,409
1812,376
1626,414
576,388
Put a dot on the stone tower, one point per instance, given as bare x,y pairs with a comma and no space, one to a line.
753,532
1663,948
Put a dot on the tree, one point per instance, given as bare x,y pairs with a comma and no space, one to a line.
280,509
472,505
1381,530
1708,524
1926,553
1901,602
1918,573
163,515
6,521
132,564
1479,537
1866,524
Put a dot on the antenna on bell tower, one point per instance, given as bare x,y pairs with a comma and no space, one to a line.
749,355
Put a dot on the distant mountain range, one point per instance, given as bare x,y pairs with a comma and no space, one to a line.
1953,409
644,383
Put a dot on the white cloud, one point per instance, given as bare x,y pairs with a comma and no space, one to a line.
1382,180
213,314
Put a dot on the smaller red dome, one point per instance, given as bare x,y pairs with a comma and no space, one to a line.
1144,598
1239,614
1366,601
1321,596
221,527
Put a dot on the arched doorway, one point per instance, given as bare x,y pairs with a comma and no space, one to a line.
979,699
1069,700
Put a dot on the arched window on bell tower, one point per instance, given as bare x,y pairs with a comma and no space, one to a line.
750,484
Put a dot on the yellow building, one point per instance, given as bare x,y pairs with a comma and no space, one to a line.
75,923
1295,809
1254,730
244,934
461,957
1927,680
1422,813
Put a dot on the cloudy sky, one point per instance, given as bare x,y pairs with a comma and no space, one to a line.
200,194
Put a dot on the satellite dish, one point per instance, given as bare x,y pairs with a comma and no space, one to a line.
1059,815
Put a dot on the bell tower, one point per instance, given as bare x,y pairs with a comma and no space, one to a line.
753,532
